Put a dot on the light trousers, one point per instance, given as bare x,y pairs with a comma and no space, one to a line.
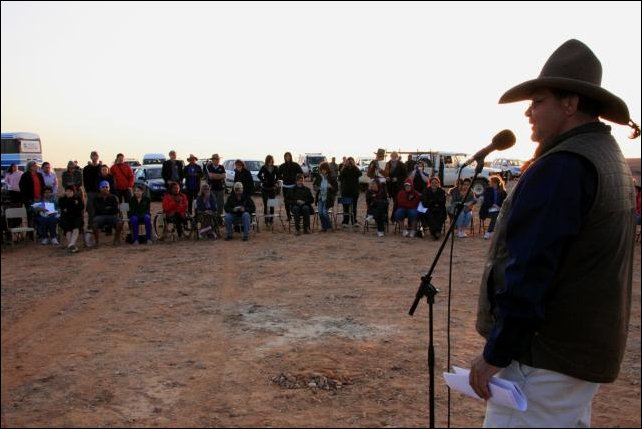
554,400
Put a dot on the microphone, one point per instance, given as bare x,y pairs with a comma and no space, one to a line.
502,141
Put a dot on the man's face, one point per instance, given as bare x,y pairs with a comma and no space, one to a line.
47,194
104,170
46,168
546,115
69,193
34,168
394,156
120,159
215,161
299,182
434,184
172,156
104,190
287,158
94,158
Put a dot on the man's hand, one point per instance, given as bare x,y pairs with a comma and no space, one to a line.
480,373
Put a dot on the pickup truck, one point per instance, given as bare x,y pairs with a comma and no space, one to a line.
445,165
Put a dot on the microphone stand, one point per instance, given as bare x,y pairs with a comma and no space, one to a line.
428,290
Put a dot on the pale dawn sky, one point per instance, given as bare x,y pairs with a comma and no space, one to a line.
248,79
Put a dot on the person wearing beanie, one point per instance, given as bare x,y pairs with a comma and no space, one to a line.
407,201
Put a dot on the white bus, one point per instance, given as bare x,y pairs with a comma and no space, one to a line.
19,149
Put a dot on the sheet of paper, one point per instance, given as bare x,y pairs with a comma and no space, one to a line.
503,392
421,208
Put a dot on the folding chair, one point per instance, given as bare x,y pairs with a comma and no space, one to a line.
340,211
22,229
273,204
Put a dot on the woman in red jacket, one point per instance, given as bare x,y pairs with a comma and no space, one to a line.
175,207
407,201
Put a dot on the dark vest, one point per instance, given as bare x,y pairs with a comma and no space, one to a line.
584,331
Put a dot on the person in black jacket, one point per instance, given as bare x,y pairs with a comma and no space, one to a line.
288,172
300,200
434,199
243,175
239,208
91,178
268,176
106,212
349,178
71,216
172,170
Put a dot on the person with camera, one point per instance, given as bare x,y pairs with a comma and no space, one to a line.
419,177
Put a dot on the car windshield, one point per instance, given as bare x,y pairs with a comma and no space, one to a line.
253,165
315,160
515,162
153,173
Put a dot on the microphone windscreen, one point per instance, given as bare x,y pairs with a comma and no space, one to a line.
503,140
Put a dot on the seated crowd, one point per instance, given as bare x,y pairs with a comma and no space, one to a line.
418,201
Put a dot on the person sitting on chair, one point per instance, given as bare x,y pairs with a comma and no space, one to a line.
106,212
300,200
206,209
71,216
407,202
175,207
47,220
494,197
139,212
377,202
466,216
239,208
434,199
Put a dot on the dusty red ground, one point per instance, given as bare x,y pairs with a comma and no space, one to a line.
234,334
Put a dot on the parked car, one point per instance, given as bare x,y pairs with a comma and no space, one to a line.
510,168
153,158
150,176
447,166
253,165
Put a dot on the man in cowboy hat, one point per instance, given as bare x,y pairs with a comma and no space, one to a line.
555,296
193,174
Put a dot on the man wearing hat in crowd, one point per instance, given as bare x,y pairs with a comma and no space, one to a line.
555,296
216,179
72,176
376,169
106,212
193,174
239,208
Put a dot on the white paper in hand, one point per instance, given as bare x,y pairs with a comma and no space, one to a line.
503,392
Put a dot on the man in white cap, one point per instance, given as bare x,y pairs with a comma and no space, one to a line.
239,208
555,297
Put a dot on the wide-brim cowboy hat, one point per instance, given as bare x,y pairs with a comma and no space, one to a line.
573,67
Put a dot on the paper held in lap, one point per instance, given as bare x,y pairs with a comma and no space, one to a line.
503,392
